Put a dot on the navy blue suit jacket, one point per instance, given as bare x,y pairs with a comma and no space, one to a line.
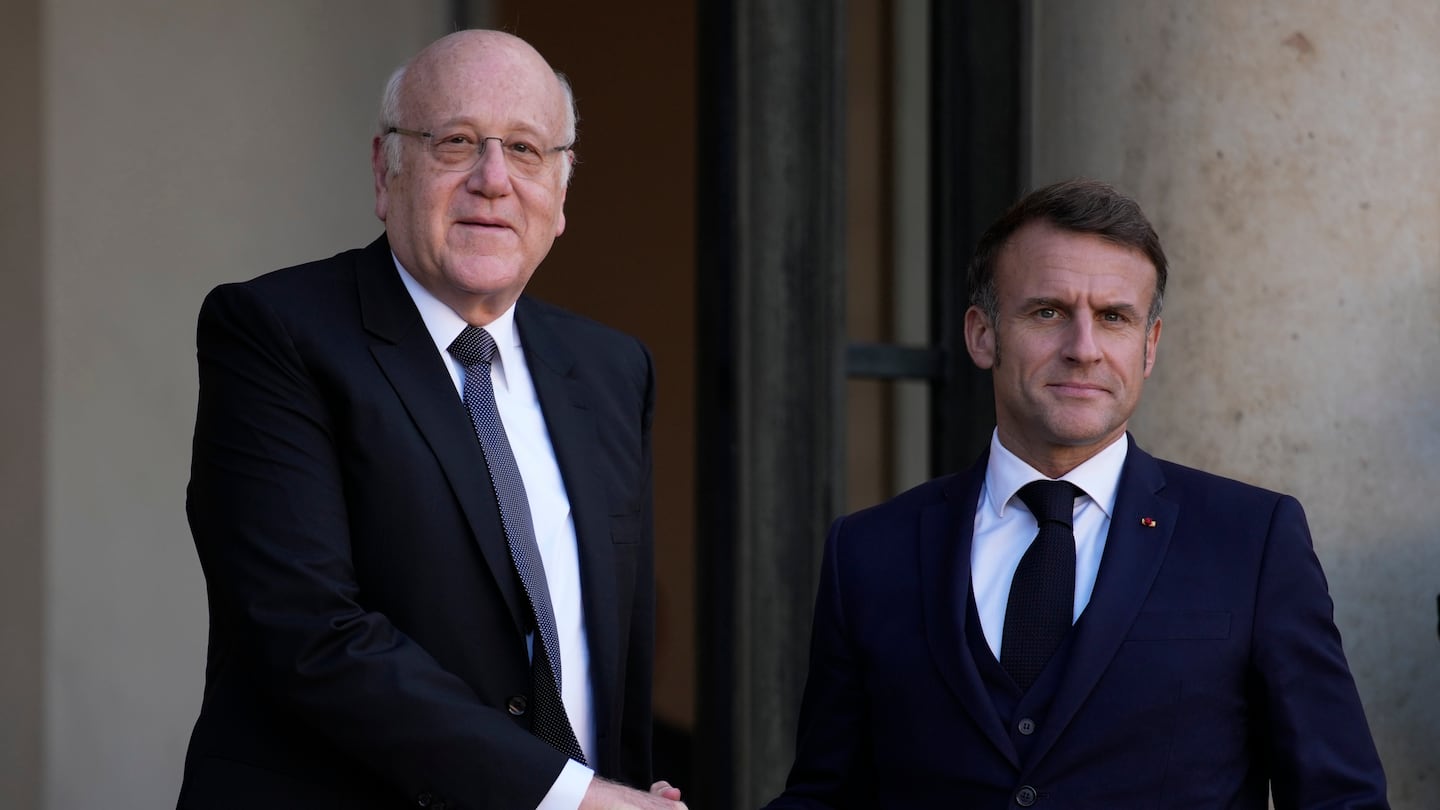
1206,667
367,628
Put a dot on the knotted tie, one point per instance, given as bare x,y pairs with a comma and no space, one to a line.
474,348
1042,595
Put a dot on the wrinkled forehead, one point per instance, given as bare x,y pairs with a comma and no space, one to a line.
497,85
1041,254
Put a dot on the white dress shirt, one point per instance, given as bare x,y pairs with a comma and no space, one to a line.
549,511
1004,528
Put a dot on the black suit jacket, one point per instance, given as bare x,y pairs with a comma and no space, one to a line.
1205,668
367,628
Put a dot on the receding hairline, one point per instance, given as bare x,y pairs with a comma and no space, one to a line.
422,67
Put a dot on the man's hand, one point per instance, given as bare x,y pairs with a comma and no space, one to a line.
606,795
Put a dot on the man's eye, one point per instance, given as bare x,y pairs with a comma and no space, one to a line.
454,148
525,154
1047,313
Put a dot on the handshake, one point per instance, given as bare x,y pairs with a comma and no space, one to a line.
606,795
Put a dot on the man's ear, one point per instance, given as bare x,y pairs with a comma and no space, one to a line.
382,176
564,189
980,337
1152,342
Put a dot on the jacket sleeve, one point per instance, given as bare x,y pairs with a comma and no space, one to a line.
637,723
1319,747
832,767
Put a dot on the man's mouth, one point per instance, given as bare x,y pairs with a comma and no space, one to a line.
485,222
1079,389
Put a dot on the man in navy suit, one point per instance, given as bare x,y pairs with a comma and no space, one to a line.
429,565
1191,660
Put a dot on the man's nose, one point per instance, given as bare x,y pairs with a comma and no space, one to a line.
491,174
1081,345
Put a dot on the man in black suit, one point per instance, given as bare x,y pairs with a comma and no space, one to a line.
1073,622
428,546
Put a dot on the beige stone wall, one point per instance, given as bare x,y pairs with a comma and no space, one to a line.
1288,153
181,144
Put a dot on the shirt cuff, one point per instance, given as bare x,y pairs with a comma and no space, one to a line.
569,788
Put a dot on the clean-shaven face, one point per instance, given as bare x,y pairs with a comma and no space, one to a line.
473,238
1070,349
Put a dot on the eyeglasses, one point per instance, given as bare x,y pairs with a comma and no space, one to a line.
461,151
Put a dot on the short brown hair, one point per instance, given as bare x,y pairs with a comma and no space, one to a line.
1079,205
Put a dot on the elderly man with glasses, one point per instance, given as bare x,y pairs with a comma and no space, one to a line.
422,500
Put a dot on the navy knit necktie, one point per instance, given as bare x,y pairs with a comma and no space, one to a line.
474,348
1042,595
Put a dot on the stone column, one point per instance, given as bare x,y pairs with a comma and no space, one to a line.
1287,154
771,201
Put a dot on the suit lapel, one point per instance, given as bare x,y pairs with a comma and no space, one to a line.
1133,554
406,355
565,399
946,530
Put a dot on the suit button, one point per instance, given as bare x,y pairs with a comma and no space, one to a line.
517,705
1025,796
1026,726
423,800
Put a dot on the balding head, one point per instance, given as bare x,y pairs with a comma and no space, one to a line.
471,166
406,92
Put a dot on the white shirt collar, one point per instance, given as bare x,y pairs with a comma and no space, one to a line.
1098,477
445,325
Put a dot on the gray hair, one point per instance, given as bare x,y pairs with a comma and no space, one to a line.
392,101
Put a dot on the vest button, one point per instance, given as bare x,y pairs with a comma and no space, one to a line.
1025,796
1026,726
517,705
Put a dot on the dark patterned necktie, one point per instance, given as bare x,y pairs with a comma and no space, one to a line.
474,348
1042,595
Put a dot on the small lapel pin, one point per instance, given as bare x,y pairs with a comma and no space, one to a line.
1148,523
